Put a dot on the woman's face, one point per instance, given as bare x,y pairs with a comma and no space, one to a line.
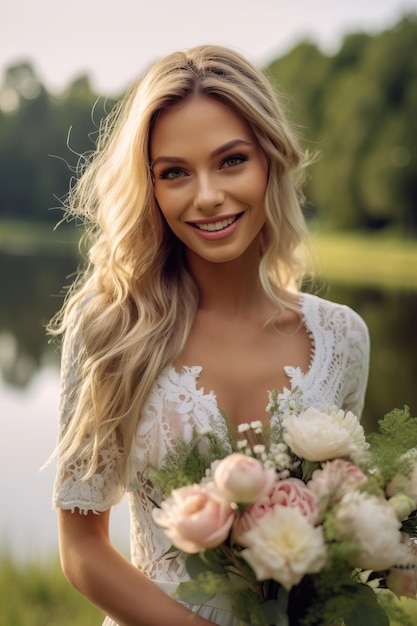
210,178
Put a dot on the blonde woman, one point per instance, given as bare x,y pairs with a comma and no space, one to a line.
189,305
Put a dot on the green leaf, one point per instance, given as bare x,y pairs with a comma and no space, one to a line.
358,608
195,565
202,562
247,607
188,592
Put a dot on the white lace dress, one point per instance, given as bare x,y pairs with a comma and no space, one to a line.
337,375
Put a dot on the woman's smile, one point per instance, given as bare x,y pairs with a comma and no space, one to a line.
210,178
216,227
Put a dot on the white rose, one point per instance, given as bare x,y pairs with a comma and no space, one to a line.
373,525
284,546
317,436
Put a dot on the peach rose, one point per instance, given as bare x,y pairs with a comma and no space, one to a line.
241,479
193,519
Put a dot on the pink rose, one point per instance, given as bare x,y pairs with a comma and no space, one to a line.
241,479
289,493
193,519
333,480
403,582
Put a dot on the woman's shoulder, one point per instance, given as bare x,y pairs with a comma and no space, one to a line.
318,310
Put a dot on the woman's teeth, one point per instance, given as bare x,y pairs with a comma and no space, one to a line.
217,225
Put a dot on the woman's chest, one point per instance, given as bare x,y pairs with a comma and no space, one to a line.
242,367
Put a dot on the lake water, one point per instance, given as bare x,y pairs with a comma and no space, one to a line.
29,388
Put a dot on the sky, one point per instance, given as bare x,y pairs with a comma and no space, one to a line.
114,42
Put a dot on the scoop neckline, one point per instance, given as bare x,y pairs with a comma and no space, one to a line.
195,369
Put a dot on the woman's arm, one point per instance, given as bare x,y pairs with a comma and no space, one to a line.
98,571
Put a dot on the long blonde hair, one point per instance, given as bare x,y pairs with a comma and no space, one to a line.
129,313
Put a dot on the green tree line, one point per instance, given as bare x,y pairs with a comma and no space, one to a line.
357,109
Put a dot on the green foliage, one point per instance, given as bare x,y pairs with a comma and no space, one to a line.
332,593
357,108
41,139
397,435
39,595
397,612
187,463
210,579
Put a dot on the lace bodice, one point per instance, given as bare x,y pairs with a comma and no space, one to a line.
337,375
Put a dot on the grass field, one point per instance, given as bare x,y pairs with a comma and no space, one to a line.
39,595
358,259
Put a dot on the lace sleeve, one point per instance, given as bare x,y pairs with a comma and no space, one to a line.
357,366
71,491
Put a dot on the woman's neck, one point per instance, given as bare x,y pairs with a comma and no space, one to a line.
231,288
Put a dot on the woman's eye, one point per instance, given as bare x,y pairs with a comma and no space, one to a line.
233,160
173,173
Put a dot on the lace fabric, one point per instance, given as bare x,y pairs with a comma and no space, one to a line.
337,376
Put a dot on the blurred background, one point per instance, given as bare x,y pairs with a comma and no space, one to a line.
349,78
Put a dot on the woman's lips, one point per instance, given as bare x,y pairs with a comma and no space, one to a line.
217,228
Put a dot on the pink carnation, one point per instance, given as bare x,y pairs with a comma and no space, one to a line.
334,480
289,493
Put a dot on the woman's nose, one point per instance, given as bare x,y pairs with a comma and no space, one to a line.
208,194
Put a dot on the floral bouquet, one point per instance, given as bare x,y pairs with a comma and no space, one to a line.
305,522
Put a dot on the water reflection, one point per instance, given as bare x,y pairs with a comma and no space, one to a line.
32,288
32,292
391,318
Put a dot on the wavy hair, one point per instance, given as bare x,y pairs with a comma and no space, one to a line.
131,308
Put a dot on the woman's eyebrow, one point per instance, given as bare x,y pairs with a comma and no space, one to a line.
224,148
230,145
167,159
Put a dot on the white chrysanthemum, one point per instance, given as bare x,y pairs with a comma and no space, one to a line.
373,525
351,423
317,436
284,546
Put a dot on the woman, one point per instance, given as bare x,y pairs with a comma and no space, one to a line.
188,306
